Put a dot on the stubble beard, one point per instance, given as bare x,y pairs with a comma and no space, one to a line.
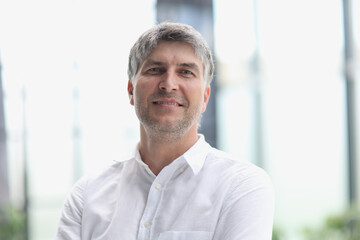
160,131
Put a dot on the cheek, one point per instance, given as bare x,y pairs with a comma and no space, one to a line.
197,98
139,95
136,96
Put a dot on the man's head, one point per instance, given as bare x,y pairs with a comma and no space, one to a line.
170,32
170,69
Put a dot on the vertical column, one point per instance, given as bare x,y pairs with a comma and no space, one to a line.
199,14
4,186
350,100
258,106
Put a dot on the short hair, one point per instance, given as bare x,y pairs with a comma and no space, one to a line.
168,31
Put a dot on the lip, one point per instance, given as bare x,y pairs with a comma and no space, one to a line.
171,102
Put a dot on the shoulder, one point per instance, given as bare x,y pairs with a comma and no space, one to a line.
109,172
241,173
248,204
102,176
247,185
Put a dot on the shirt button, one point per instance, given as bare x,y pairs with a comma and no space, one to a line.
147,224
158,186
182,170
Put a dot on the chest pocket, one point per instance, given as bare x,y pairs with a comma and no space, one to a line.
190,235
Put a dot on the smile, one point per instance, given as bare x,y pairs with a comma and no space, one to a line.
168,103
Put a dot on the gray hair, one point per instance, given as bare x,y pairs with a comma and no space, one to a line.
167,31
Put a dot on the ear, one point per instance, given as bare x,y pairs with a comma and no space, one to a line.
206,97
130,89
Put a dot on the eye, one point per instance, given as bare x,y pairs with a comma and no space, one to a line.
155,71
186,72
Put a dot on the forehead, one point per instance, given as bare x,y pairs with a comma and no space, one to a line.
174,52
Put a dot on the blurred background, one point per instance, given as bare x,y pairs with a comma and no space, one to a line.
285,97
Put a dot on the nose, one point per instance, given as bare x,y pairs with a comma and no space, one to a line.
169,82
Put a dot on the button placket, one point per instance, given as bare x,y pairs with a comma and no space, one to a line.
153,203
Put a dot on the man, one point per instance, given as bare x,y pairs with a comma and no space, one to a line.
174,185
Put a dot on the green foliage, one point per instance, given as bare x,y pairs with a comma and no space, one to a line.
277,234
12,224
344,226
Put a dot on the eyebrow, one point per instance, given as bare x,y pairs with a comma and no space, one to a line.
190,65
151,62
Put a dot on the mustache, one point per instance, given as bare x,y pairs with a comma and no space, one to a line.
178,98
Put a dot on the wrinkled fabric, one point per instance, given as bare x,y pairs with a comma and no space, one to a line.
204,194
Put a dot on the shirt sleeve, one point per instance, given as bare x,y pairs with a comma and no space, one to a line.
248,211
70,222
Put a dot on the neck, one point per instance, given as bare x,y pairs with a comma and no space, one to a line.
159,150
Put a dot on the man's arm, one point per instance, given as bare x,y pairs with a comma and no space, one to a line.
70,221
248,211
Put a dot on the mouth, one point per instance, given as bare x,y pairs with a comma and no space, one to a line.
170,103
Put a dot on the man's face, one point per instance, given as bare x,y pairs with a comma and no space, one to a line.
168,92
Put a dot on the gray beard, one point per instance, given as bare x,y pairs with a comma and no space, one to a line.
171,131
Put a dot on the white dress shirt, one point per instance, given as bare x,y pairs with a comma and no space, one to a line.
202,195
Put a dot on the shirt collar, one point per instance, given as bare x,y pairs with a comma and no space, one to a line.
195,156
